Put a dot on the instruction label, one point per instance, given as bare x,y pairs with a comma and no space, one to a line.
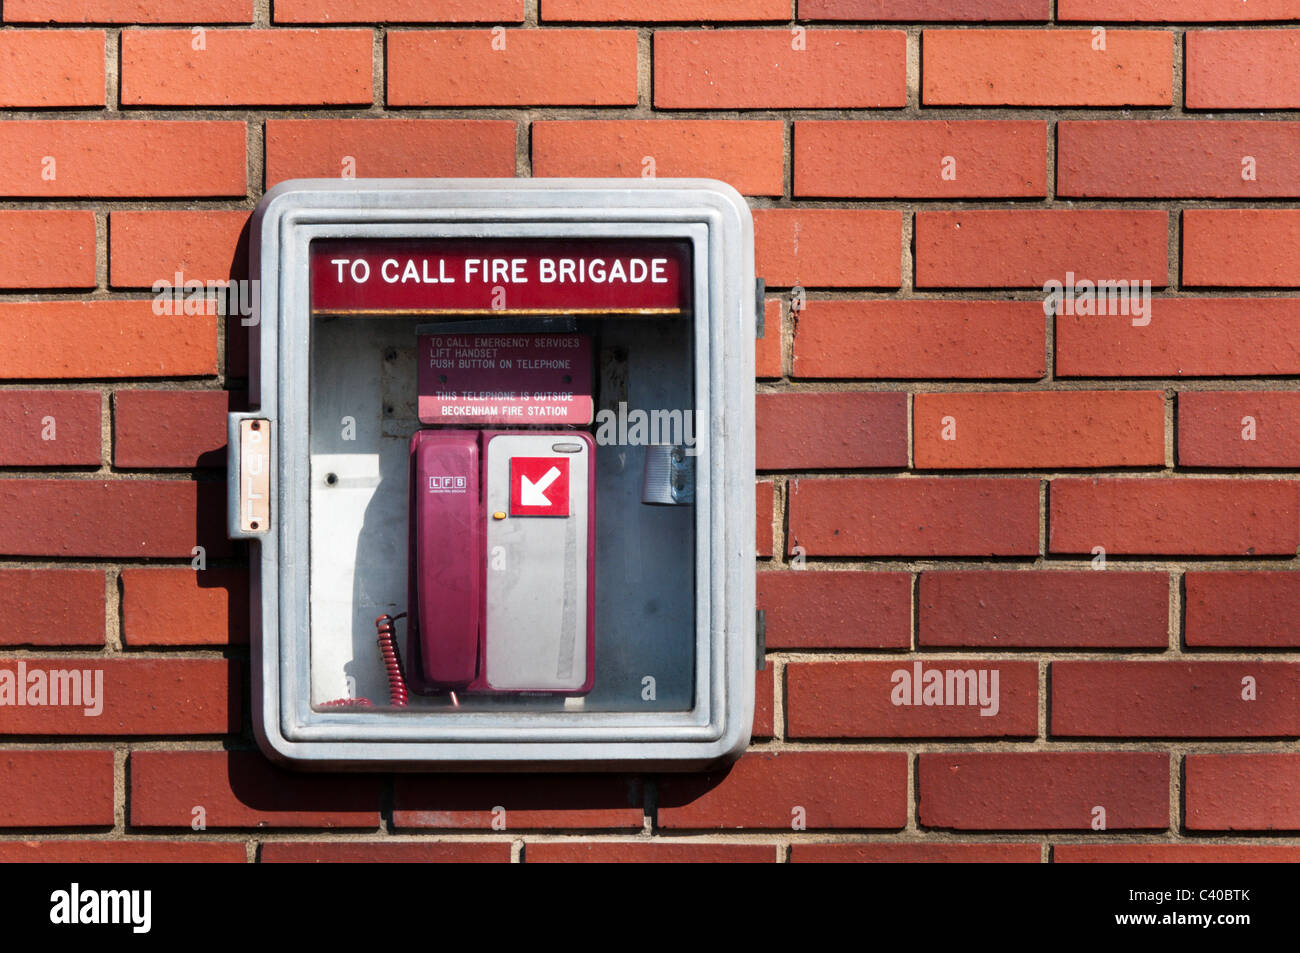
514,379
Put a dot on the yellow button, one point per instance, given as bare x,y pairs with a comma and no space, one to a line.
498,515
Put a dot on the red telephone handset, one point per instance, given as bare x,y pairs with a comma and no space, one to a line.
444,588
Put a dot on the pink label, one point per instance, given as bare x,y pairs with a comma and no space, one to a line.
515,379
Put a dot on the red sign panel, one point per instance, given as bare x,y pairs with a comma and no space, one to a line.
509,379
482,276
539,486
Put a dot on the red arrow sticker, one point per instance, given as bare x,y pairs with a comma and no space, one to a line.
539,486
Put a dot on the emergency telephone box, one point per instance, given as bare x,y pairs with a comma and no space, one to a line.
497,474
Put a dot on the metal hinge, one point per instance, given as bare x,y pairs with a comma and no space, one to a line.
760,305
760,639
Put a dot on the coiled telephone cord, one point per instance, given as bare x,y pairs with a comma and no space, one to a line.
397,693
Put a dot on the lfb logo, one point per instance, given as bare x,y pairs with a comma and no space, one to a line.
447,484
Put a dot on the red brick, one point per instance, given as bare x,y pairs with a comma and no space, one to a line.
1175,11
829,247
247,68
838,609
1174,699
920,339
1023,248
747,154
924,10
1175,854
122,158
146,247
1038,430
920,159
773,791
184,607
763,69
767,349
52,607
389,148
26,417
1039,609
905,853
1241,248
837,430
138,697
914,517
126,518
90,339
128,11
55,788
47,249
1187,337
1253,609
47,69
764,494
1046,68
171,428
1243,69
884,699
663,11
1241,792
648,852
1033,790
764,703
475,801
1203,159
398,11
1213,429
389,851
1166,515
243,789
133,850
536,68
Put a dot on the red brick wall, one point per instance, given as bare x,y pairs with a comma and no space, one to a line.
938,460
